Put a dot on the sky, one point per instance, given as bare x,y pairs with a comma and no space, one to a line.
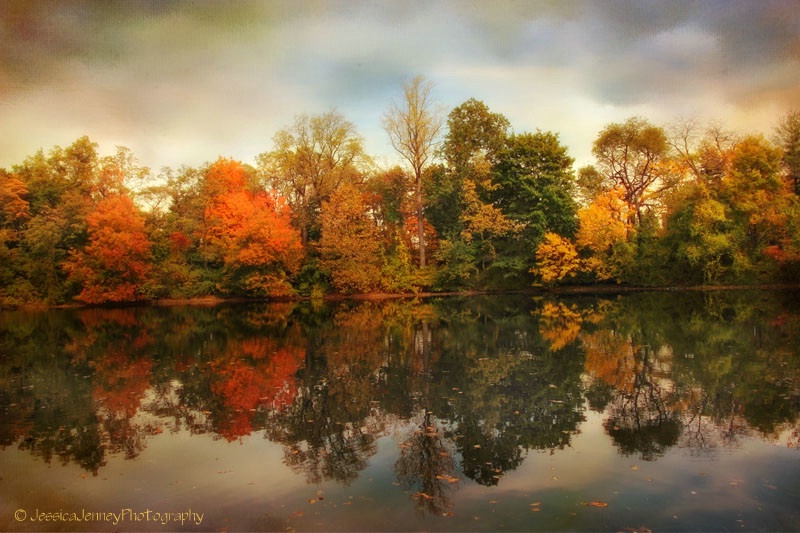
183,83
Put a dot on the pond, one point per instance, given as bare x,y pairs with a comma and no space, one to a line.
653,411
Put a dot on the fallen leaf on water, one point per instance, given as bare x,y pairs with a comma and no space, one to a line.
536,504
598,504
635,467
312,500
448,514
535,509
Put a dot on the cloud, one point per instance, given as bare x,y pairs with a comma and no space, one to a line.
183,81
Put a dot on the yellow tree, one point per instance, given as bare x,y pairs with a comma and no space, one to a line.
556,259
605,228
349,246
629,155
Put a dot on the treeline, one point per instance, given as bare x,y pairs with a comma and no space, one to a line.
482,207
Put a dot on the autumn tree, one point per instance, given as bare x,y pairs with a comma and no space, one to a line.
14,214
252,232
115,262
604,231
629,155
556,259
350,247
177,229
311,159
413,130
460,196
736,217
61,193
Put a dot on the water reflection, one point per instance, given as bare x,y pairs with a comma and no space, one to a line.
468,387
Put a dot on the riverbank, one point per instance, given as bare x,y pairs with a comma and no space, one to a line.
210,301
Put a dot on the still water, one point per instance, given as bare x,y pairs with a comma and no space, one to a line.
649,411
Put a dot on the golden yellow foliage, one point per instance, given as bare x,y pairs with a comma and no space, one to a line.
556,258
603,222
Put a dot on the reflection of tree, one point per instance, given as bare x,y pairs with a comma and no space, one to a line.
502,391
426,468
325,432
495,378
329,430
253,374
559,324
48,405
641,419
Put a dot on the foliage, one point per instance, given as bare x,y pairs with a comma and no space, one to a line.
253,233
115,262
349,247
309,162
629,156
497,211
603,233
535,187
556,259
788,139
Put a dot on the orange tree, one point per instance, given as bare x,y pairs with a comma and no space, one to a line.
115,262
252,232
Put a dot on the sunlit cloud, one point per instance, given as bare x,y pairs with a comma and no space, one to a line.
184,82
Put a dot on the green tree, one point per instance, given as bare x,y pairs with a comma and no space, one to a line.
61,191
474,138
787,136
534,189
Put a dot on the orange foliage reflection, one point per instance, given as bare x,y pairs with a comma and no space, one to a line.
260,375
612,358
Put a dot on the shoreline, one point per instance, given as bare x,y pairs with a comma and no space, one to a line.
210,301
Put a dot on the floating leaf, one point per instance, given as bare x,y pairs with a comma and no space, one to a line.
598,504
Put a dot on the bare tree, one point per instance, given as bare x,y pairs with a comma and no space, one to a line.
413,130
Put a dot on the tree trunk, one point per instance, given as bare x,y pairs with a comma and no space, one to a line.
420,221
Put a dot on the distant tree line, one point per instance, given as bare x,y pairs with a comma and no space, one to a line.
480,207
